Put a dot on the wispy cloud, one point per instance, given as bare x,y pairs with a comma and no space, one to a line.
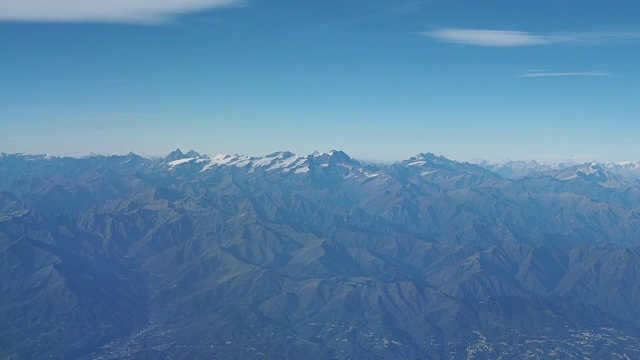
485,37
544,73
124,11
509,38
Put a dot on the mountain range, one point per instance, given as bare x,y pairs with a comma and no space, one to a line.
319,256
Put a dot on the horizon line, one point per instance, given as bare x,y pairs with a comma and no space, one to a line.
475,161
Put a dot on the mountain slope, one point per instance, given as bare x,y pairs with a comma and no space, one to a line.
316,256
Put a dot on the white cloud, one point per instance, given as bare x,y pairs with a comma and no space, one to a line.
126,11
543,73
485,37
508,38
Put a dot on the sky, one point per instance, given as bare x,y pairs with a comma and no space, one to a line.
382,80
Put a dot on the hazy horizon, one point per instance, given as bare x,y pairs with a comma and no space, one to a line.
476,160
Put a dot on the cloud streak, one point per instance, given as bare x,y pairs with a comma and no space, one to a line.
544,73
509,38
495,38
105,11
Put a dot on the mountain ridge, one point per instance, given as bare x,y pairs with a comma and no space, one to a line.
319,256
512,169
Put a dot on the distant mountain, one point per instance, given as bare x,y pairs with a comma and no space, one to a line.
520,169
318,256
625,169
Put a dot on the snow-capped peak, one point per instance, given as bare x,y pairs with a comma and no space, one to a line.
426,159
333,156
283,160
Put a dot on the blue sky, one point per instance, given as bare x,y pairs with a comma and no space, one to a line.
381,80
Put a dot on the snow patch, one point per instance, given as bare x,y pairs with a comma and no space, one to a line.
417,163
302,170
179,162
